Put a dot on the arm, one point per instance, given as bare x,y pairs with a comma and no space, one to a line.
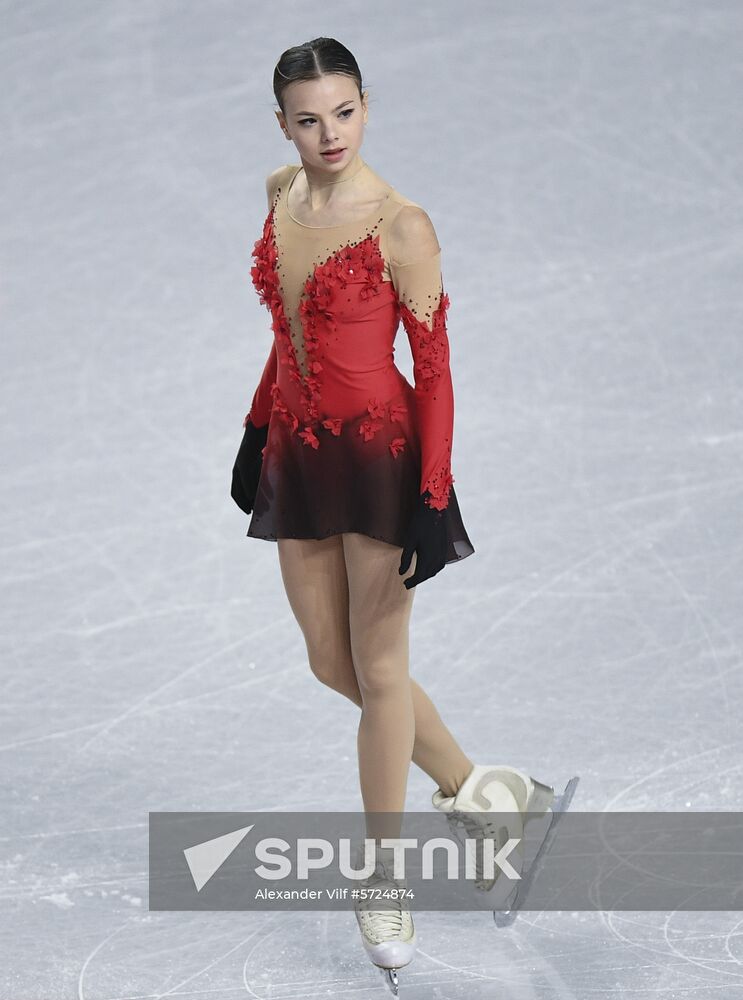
260,407
415,265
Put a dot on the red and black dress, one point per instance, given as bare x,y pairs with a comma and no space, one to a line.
351,444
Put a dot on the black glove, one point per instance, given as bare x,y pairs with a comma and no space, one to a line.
426,535
247,469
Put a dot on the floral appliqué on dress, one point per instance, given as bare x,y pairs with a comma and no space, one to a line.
429,346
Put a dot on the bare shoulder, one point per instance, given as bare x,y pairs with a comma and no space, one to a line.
412,236
275,178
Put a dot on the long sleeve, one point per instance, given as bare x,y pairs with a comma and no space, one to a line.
260,408
423,306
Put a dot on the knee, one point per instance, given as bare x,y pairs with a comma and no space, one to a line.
336,671
384,678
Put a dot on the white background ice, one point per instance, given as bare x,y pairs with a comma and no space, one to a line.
583,166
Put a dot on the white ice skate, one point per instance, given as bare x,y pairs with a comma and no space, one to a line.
506,913
492,803
388,934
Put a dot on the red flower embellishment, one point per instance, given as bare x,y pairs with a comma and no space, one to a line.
308,437
285,414
439,487
396,412
430,346
369,428
333,424
375,408
361,263
396,446
263,273
429,373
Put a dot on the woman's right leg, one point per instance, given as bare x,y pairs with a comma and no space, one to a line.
316,584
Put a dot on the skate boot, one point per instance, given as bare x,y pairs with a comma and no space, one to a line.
492,803
388,934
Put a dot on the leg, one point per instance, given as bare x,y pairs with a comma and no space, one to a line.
436,751
314,575
316,584
379,617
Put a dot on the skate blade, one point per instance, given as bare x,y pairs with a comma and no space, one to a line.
506,916
390,977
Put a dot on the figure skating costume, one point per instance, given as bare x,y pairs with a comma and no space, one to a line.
337,440
351,446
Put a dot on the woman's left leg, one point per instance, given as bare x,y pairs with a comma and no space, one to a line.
379,616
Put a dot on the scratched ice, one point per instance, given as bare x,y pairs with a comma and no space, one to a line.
582,163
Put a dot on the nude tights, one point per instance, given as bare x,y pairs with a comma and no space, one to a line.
354,612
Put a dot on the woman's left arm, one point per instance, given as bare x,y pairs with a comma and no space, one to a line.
415,266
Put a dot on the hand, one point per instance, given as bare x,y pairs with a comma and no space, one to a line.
248,464
426,536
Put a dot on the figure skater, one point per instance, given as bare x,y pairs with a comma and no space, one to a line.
346,465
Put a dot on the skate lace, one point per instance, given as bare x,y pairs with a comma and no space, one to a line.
388,923
479,828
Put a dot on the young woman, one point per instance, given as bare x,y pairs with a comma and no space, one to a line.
344,463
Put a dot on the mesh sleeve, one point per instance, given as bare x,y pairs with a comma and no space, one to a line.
260,408
423,305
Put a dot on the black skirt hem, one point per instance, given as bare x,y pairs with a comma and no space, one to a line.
457,550
345,485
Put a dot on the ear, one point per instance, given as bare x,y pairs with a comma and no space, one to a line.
282,123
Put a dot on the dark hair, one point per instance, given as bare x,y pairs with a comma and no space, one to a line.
311,60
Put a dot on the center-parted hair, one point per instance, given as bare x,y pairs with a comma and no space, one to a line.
311,60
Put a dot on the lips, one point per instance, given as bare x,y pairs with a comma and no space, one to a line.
329,152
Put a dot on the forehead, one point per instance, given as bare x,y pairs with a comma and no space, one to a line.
323,94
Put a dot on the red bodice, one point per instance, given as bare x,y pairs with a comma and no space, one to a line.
345,380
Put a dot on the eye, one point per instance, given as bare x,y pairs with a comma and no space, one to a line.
344,114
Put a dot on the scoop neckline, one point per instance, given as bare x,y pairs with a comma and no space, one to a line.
340,225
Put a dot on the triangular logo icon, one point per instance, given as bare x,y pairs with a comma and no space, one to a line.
205,859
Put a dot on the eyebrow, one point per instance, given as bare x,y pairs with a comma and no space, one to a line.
337,108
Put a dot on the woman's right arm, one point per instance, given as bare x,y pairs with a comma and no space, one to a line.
260,407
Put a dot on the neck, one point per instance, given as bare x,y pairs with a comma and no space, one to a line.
317,182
